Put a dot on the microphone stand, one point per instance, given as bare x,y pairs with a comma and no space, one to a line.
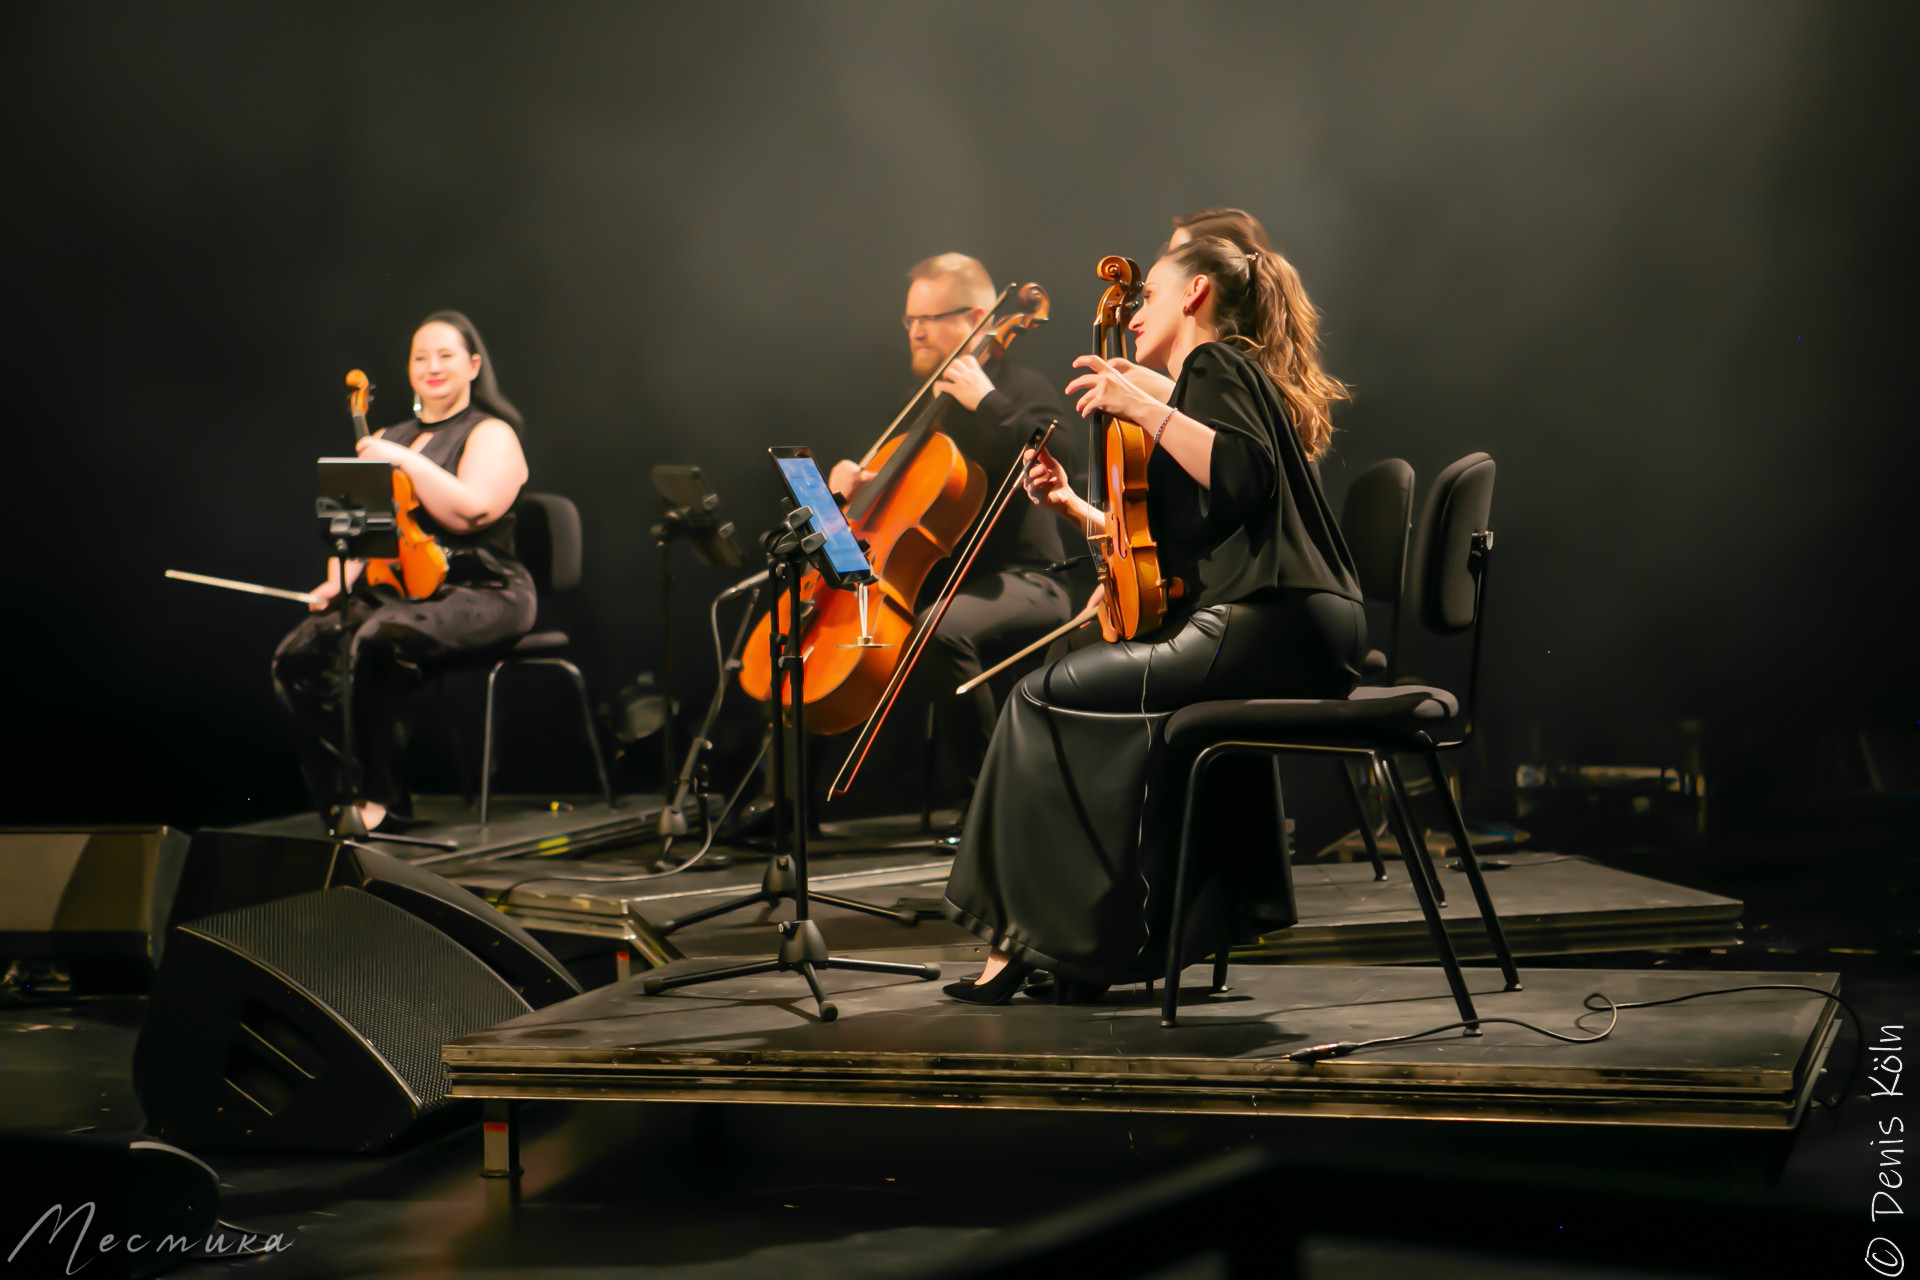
802,947
355,532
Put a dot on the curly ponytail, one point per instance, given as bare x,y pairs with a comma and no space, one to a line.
1260,304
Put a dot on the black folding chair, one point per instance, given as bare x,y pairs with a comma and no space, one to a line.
1376,521
547,540
1371,727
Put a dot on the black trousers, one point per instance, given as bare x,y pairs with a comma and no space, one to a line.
991,616
395,645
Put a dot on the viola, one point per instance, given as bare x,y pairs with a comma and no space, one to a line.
421,566
1134,594
911,516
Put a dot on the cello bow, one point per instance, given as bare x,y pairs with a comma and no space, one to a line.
923,634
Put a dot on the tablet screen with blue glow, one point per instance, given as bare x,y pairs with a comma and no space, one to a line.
810,490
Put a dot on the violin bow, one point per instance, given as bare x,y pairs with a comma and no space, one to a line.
923,634
1087,615
965,348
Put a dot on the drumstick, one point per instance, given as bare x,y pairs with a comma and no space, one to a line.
279,593
1086,615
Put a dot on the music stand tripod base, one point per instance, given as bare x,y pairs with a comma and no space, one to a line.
802,947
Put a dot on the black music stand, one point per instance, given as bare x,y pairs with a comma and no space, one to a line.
693,513
802,948
357,522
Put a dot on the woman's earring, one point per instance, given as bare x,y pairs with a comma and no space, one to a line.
416,404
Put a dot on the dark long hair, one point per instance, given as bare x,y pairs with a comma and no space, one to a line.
1236,225
486,390
1260,304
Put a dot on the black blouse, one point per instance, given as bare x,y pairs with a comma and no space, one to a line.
446,445
1265,525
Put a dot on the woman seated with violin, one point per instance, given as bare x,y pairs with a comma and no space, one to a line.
462,455
1067,856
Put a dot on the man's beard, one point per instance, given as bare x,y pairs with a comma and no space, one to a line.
925,361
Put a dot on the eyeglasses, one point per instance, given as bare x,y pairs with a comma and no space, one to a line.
907,322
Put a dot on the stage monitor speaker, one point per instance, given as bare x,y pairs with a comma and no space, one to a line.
311,1023
97,898
104,1205
228,870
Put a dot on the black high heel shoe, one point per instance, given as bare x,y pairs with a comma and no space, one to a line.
997,991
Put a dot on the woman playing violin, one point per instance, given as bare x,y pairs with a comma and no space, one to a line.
1068,844
462,453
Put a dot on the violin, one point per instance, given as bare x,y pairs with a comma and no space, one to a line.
421,566
910,516
1135,595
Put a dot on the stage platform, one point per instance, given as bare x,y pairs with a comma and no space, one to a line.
518,827
1743,1061
1550,904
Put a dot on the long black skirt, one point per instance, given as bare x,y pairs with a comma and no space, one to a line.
1068,854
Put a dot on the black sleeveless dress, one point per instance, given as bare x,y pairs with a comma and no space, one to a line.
487,601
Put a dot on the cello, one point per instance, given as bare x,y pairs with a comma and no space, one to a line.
1133,593
911,515
421,566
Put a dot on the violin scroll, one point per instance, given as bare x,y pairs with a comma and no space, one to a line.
359,400
1122,297
1032,305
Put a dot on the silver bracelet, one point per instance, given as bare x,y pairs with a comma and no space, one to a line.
1162,427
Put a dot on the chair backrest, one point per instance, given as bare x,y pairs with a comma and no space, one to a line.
1376,520
546,537
1446,572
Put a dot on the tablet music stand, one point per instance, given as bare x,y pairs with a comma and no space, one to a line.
802,948
357,522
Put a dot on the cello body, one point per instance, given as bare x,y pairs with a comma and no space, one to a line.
912,515
914,526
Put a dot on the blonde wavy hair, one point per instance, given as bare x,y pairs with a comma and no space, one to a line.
1262,307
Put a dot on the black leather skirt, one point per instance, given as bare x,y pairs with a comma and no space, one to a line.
1068,854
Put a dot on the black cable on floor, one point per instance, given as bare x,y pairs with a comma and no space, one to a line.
713,829
1342,1048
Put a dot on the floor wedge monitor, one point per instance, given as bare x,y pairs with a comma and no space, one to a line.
94,898
227,870
310,1023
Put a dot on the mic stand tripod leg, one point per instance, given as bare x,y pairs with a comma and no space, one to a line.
802,948
346,821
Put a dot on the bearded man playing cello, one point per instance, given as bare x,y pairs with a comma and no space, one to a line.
1012,595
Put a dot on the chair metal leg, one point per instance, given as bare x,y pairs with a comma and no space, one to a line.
1365,819
593,735
1470,861
454,741
1400,813
1170,1001
1220,967
1416,854
486,746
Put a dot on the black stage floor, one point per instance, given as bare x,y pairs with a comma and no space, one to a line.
1745,1060
692,1191
1550,904
517,826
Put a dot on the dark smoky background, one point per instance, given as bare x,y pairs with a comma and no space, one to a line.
1655,258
